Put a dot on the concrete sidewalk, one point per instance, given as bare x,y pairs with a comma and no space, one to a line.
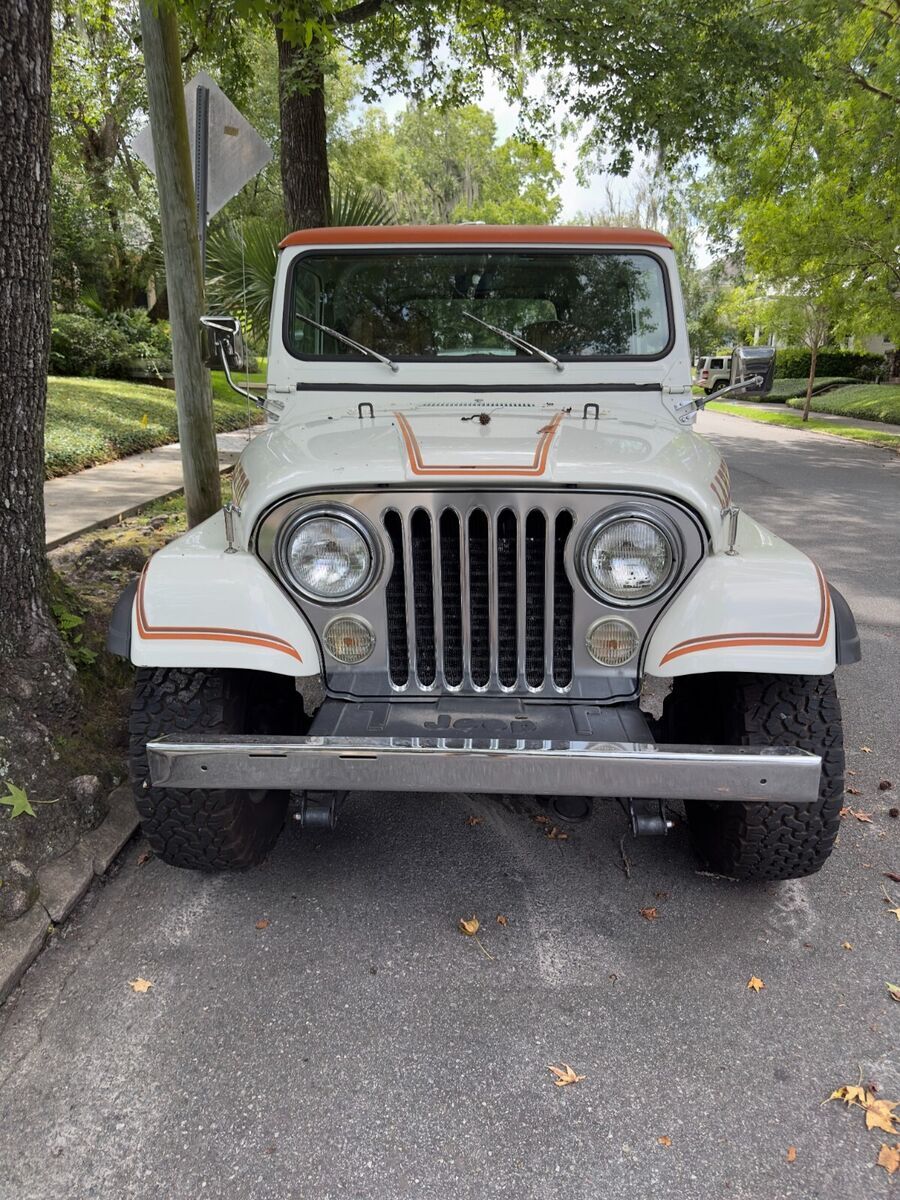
101,496
834,418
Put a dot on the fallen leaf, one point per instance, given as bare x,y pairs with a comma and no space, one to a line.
755,984
649,914
896,912
501,920
880,1115
661,895
889,1157
541,819
474,820
144,858
145,421
469,928
791,1154
885,785
861,816
892,875
665,1140
17,801
555,834
845,811
894,990
262,924
850,1094
853,792
866,749
564,1075
846,946
140,985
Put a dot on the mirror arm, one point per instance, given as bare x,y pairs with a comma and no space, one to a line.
753,381
259,401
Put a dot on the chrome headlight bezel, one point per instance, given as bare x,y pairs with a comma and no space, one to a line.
658,521
336,512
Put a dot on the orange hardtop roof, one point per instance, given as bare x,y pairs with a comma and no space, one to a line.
468,235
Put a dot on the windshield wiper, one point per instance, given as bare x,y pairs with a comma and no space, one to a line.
515,340
348,341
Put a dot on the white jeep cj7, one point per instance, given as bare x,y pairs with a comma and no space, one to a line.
477,532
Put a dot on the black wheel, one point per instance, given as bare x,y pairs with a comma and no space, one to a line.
763,841
211,830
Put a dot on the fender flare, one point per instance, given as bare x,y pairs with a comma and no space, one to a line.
118,636
846,635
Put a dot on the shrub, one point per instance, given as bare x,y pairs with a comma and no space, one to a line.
103,345
793,363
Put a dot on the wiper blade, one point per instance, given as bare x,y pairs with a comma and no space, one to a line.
515,340
349,341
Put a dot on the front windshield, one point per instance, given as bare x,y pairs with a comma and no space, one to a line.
418,304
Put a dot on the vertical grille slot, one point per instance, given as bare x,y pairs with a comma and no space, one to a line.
479,598
423,596
395,602
535,549
507,658
451,597
562,604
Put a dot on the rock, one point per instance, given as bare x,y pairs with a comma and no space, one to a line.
158,522
87,793
18,889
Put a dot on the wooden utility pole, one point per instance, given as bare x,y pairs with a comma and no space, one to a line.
181,246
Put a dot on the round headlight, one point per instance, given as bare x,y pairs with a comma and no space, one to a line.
328,557
629,559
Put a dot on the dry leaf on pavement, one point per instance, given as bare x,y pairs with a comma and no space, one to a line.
469,928
896,912
894,990
880,1115
866,749
555,834
791,1154
541,819
861,816
889,1157
474,820
851,1095
564,1074
140,985
262,924
846,946
649,914
501,920
146,856
755,984
853,792
665,1140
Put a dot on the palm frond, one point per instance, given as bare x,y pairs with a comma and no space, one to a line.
352,204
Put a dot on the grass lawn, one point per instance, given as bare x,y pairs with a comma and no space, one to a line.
786,389
791,420
93,421
870,401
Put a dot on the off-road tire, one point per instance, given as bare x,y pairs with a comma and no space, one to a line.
211,830
763,841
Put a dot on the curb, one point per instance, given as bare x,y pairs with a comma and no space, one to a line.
63,882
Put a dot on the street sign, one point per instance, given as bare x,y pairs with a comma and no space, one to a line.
226,150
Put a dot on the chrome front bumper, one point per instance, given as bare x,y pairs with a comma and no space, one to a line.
632,770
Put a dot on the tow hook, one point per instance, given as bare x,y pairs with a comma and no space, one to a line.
316,810
648,818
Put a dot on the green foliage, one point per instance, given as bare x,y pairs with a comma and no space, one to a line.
70,625
794,362
353,204
868,401
92,421
85,344
17,801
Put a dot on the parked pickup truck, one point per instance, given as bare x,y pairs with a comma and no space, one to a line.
476,545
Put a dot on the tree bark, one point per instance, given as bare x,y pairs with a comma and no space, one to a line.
181,247
810,383
38,682
304,152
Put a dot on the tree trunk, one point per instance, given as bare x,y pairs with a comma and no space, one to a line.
181,247
38,683
304,152
810,383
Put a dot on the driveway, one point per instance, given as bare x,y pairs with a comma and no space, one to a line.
357,1045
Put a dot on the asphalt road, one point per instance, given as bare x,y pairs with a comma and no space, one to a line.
360,1046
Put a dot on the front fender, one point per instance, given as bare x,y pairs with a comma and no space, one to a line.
197,604
767,609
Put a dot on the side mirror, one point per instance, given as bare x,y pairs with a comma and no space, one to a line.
756,366
224,343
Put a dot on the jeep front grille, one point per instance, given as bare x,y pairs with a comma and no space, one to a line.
479,599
